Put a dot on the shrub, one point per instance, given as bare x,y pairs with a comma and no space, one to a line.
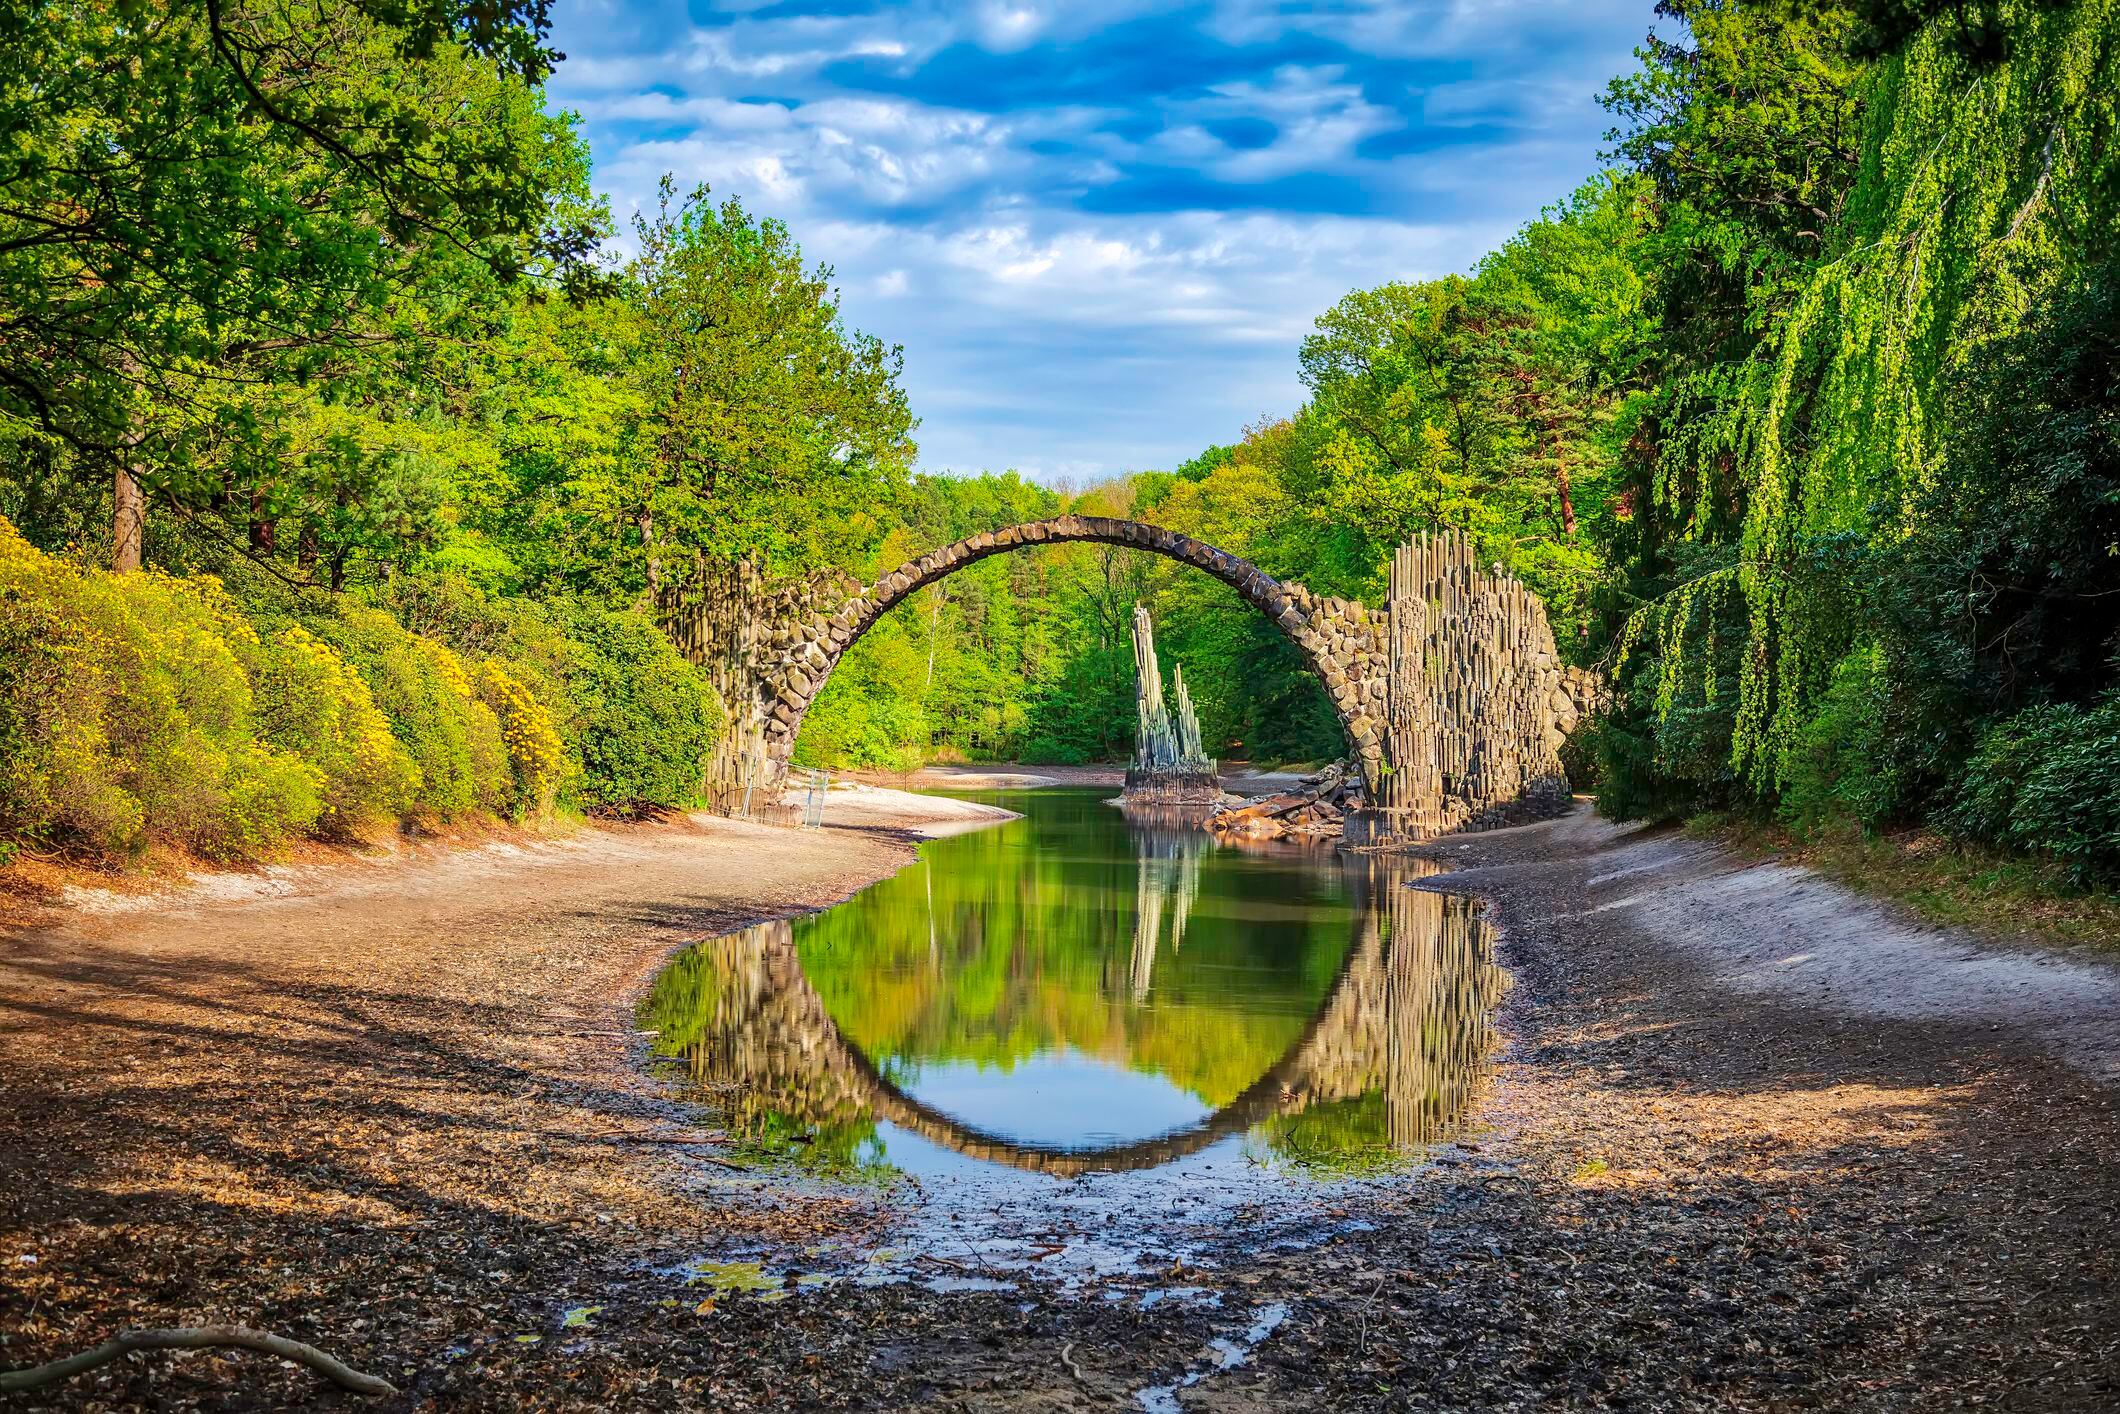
146,706
536,759
312,703
453,739
645,719
2047,779
525,637
1847,765
126,711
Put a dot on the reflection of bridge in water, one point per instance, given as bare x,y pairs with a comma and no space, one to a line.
1409,1016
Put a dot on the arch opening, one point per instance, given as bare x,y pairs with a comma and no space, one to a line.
1340,641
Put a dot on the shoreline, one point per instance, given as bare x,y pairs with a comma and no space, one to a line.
409,1125
322,871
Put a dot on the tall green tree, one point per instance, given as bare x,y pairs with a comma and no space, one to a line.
769,423
203,205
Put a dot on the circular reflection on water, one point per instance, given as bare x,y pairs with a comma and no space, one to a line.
1076,992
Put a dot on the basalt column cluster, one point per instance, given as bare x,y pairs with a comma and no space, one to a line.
1170,764
1480,702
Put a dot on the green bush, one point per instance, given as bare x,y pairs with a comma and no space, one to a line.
527,638
126,713
145,706
633,721
453,739
644,719
2047,779
536,760
312,704
1846,767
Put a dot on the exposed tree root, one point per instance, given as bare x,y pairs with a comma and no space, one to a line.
197,1338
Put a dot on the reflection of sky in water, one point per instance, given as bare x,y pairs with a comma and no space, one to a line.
1061,1099
1074,992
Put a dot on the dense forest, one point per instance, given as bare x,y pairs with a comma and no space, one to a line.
352,475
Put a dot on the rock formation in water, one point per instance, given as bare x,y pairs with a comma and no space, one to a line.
1169,761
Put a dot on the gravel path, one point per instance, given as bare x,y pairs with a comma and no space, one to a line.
1838,1167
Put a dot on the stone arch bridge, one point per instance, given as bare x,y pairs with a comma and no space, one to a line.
1410,1015
1452,697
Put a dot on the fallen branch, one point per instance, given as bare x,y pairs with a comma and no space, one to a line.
197,1338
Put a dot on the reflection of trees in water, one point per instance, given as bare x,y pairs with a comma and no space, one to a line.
1392,1062
756,1043
1444,988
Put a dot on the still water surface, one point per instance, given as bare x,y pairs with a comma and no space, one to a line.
1078,992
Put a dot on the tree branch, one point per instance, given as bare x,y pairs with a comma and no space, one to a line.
198,1338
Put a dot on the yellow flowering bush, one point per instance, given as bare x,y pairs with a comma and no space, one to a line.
125,712
452,738
535,754
312,703
147,706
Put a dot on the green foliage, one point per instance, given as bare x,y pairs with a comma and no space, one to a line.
126,713
643,719
311,704
453,739
766,418
1877,478
2047,781
236,315
1846,768
143,707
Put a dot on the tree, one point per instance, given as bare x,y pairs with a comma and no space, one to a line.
209,204
768,423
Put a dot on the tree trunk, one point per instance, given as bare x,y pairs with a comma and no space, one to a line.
1560,477
264,535
128,524
338,570
644,522
305,550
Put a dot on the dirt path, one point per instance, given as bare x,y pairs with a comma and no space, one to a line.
1843,1167
390,1108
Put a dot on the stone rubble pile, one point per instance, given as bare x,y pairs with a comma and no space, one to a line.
1316,806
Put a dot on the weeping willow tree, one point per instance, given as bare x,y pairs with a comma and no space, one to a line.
1985,171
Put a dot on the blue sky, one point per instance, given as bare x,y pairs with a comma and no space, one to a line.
1100,229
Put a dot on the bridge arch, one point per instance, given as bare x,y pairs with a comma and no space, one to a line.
1340,640
1452,696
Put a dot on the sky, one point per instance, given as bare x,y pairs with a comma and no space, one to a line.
1100,229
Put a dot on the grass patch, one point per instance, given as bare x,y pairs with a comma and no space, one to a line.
1943,881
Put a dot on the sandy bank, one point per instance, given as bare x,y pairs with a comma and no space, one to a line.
334,1099
1769,929
438,869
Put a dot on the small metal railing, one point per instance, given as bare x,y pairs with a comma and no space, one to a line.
813,800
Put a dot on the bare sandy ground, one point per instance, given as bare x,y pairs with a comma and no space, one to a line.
1753,1144
1769,929
372,1103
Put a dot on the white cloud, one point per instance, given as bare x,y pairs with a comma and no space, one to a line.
1048,323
